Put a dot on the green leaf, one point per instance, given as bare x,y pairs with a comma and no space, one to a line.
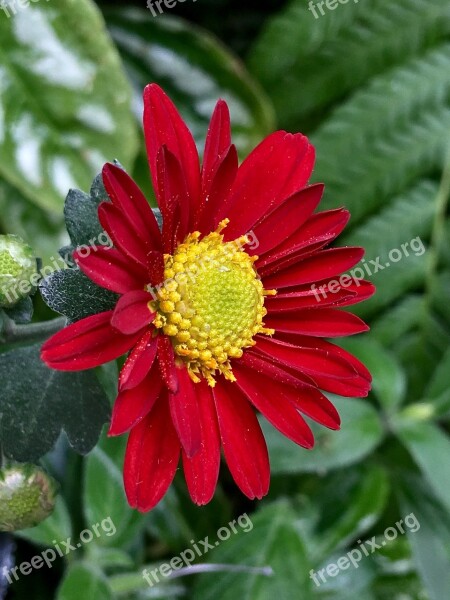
272,542
360,434
107,499
88,579
398,320
440,381
430,448
431,542
56,528
81,215
65,100
194,68
37,402
105,464
72,294
40,228
350,584
389,380
111,558
347,514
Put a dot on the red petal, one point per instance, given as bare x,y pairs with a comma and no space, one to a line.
139,362
272,400
132,405
155,268
326,263
202,470
163,126
218,142
302,393
172,199
86,344
356,387
362,290
132,312
291,301
122,233
280,166
166,360
307,359
257,362
127,197
323,322
287,218
151,458
242,439
185,413
110,269
318,231
221,181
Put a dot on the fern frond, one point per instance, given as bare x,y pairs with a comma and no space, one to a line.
408,217
365,178
390,99
365,42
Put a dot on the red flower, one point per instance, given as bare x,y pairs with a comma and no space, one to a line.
209,340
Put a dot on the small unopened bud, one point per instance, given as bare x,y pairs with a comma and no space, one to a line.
17,267
27,496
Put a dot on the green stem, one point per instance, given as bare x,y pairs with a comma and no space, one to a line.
33,332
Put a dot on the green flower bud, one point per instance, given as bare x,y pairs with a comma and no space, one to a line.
17,266
27,496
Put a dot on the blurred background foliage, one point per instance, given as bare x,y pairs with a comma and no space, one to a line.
370,83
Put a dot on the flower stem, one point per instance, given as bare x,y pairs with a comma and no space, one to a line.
33,332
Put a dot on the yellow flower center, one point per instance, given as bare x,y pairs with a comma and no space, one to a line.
211,303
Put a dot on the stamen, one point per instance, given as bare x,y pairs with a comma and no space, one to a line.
211,304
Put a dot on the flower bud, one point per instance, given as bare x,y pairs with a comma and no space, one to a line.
27,496
17,266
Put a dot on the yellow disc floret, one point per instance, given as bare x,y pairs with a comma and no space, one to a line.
211,303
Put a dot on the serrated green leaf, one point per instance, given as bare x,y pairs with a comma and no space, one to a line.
360,433
37,402
80,213
58,61
72,294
